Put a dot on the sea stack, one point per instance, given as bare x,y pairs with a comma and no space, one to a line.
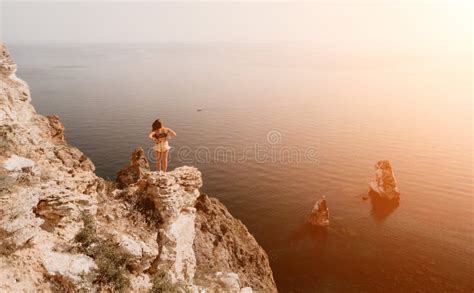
385,185
320,213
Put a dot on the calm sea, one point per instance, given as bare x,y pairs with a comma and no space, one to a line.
274,127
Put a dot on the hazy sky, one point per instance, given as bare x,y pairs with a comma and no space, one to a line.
337,24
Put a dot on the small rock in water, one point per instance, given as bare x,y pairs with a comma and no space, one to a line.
320,213
384,185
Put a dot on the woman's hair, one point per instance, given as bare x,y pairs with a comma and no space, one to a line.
156,125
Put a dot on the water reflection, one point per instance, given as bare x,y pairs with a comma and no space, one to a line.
381,208
308,231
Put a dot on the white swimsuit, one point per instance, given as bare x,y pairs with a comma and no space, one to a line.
161,141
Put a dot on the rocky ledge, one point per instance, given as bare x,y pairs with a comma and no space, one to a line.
62,228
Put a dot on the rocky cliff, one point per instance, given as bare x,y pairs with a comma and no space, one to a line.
63,229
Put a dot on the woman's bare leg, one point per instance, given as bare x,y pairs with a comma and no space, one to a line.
164,161
158,160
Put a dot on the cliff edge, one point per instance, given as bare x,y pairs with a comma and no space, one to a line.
64,229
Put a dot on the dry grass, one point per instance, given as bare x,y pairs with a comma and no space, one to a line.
8,246
60,284
110,186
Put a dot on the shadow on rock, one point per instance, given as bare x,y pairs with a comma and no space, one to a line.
382,207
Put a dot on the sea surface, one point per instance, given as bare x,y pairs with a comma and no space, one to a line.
273,127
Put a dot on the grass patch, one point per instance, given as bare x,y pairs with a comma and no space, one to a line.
88,235
111,260
145,207
161,284
110,185
7,246
112,263
60,284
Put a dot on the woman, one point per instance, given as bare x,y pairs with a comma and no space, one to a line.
160,135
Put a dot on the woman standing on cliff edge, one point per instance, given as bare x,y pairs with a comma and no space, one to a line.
160,136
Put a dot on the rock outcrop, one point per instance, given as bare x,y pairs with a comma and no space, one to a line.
320,213
64,228
57,129
174,195
135,170
223,244
385,185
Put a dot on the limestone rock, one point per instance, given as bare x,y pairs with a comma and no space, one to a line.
229,281
140,283
223,243
17,169
135,170
73,158
14,93
7,65
174,195
385,184
57,129
52,208
16,163
224,282
320,213
69,265
142,254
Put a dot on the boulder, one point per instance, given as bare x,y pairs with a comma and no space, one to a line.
385,185
320,213
65,206
135,170
74,266
141,254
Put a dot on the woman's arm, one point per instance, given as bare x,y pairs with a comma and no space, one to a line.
150,136
171,132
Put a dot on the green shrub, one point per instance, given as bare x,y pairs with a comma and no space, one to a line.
112,263
161,284
88,235
111,260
